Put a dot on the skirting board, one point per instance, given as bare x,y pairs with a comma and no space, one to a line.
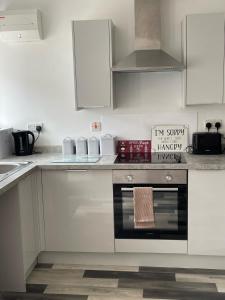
127,259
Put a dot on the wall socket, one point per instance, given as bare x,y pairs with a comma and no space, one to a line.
213,122
32,126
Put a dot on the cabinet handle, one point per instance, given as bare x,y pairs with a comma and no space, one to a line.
75,171
154,189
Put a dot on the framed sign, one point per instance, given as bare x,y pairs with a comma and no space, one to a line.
169,138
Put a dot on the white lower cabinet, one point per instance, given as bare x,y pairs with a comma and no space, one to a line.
28,193
78,210
206,212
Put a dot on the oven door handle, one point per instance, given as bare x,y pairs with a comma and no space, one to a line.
154,189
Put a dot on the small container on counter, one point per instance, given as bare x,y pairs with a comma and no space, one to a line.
93,146
108,145
81,146
68,146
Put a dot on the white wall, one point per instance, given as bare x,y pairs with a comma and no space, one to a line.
36,79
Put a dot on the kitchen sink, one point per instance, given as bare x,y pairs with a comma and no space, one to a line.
9,168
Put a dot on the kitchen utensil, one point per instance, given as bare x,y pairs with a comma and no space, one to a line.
93,146
68,146
81,146
108,145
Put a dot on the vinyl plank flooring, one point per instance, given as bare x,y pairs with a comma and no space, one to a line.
97,267
200,278
88,282
93,282
24,296
119,298
36,288
50,276
129,275
182,270
220,287
182,295
167,285
92,291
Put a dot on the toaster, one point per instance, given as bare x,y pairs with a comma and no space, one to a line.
207,143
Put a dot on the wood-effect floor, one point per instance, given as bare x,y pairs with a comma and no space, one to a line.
78,282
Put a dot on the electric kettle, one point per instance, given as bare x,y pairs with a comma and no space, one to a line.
24,142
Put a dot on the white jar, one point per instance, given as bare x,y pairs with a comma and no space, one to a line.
93,146
68,146
108,145
81,146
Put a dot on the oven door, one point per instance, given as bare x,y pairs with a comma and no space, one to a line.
169,208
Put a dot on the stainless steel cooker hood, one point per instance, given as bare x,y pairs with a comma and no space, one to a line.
148,61
148,37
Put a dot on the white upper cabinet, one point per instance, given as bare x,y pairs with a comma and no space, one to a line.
92,63
206,212
204,58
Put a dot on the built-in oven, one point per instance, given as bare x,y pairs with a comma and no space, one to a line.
169,199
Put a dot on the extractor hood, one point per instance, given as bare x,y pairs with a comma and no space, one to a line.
148,61
148,56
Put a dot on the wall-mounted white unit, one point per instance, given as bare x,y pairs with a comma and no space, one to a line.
92,63
20,25
204,58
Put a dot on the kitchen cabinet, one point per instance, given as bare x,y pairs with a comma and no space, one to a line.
92,63
206,212
30,218
78,210
21,223
204,58
12,277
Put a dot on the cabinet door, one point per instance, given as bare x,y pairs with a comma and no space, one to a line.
206,213
78,211
205,59
29,216
93,61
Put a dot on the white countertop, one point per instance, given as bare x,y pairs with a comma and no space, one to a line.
45,161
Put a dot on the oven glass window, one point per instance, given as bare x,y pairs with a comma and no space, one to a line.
165,207
168,213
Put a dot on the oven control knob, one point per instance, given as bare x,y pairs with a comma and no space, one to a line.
169,178
130,178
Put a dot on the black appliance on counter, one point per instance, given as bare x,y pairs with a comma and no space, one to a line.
207,143
24,142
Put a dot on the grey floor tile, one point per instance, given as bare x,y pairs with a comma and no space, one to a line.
182,277
167,285
25,296
129,275
220,287
50,276
88,282
183,270
36,288
95,291
118,298
97,267
182,295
